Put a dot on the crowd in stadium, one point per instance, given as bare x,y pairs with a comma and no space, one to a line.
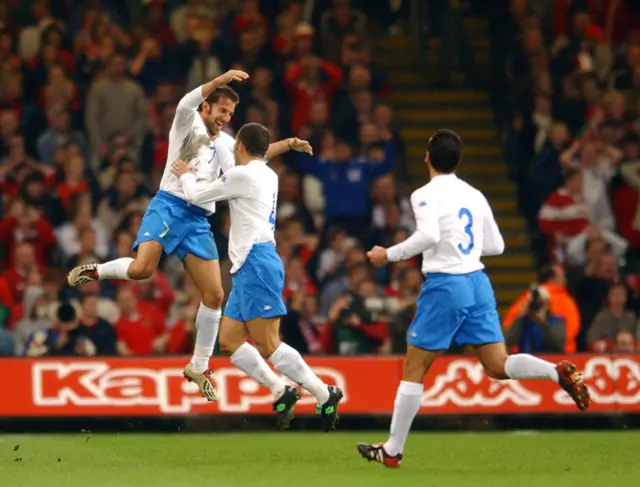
86,105
573,149
86,109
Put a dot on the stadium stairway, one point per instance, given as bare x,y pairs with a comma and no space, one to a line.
419,110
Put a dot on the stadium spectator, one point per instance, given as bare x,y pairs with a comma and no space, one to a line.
625,342
141,329
536,330
351,329
611,320
116,104
59,132
36,318
12,280
302,328
99,337
349,178
62,339
561,304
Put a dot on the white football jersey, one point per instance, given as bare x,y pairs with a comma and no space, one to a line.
252,191
455,228
189,141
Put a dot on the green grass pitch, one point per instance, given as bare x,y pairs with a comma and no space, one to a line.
317,459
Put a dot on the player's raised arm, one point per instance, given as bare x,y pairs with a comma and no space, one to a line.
278,148
233,184
427,233
492,242
189,103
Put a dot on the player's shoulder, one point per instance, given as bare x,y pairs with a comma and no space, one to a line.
226,139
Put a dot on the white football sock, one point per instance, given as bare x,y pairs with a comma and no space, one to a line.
248,359
115,269
207,324
288,361
405,408
525,366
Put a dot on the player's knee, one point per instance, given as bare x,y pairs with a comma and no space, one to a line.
141,270
228,344
266,346
496,371
212,298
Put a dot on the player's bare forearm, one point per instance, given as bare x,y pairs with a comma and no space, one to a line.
282,146
278,148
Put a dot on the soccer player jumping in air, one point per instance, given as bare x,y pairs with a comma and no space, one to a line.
255,303
176,226
455,228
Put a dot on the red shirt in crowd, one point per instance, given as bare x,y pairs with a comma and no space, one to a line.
563,213
140,330
40,236
303,96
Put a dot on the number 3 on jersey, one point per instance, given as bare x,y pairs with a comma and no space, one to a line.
464,213
272,215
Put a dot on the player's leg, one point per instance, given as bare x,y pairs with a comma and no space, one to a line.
124,268
482,329
262,277
200,257
233,336
499,365
265,333
435,324
158,231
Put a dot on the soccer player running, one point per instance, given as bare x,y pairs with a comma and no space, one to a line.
455,228
174,225
255,302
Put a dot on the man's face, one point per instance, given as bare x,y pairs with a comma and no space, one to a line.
218,114
25,257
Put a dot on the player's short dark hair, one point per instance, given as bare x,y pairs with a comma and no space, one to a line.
224,91
255,138
445,150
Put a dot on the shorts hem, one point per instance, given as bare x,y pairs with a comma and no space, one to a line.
265,316
183,255
138,242
480,343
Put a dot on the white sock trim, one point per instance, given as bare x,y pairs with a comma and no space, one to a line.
115,269
410,388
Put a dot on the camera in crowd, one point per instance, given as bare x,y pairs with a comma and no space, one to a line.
369,310
538,299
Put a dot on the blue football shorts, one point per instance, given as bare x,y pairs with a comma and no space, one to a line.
180,227
257,287
455,308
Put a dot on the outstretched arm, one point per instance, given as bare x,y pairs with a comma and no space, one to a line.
232,184
278,148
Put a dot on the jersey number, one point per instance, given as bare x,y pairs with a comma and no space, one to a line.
272,215
465,213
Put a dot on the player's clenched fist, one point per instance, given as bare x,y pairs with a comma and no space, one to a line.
378,256
230,76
